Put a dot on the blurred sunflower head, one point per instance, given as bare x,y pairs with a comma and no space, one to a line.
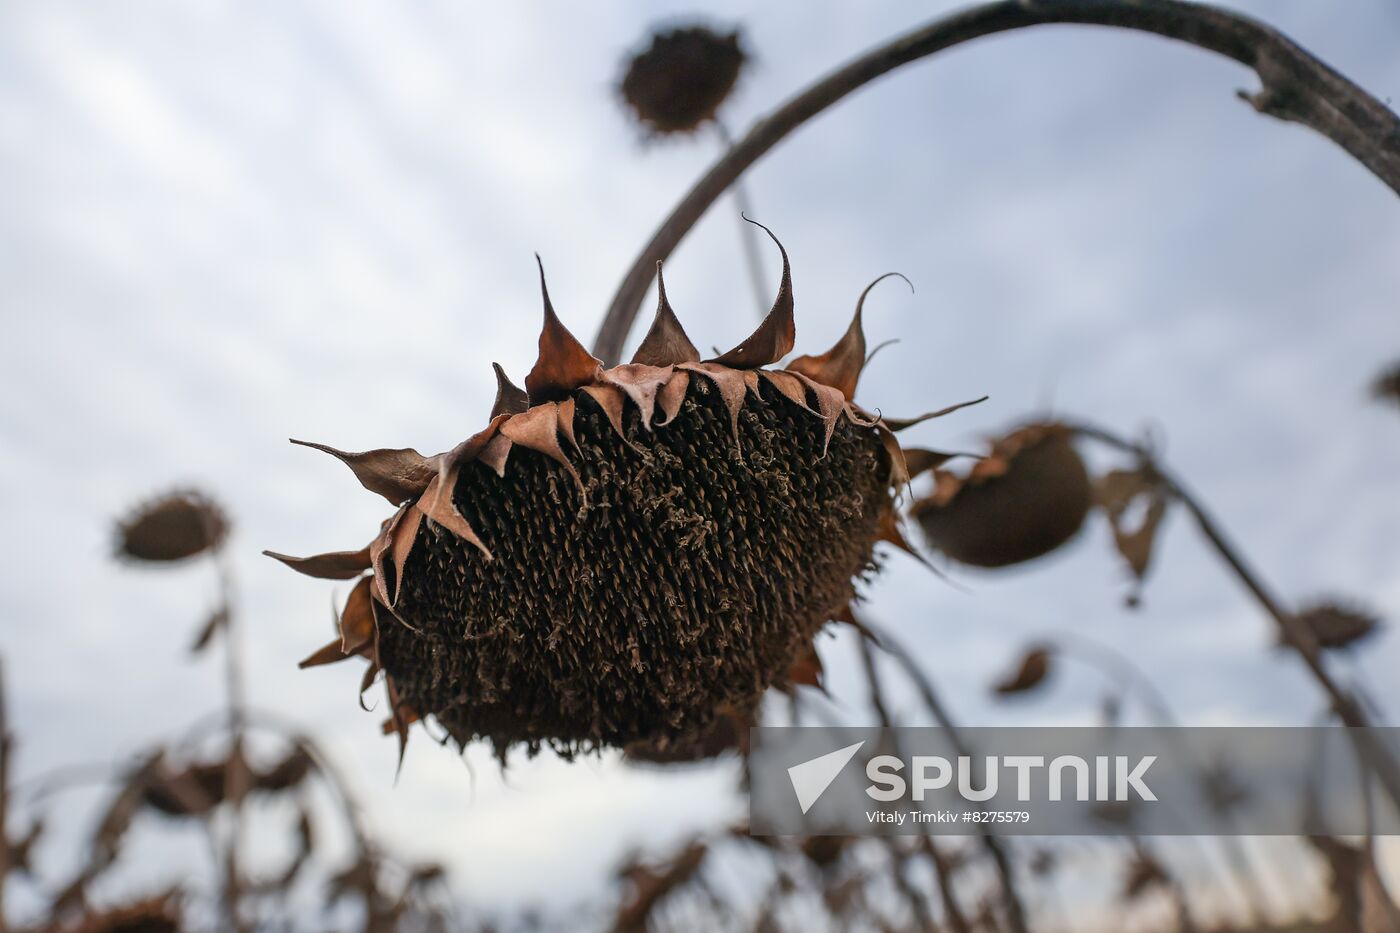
172,527
683,76
621,553
1027,497
1386,386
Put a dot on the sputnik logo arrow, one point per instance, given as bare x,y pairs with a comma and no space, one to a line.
811,778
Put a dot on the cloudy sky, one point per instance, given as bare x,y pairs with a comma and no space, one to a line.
227,224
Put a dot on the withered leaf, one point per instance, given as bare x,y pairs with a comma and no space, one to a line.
397,474
218,619
1115,493
1029,674
356,621
326,654
337,565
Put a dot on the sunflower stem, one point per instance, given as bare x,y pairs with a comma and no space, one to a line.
1295,634
1294,86
748,233
235,778
1015,910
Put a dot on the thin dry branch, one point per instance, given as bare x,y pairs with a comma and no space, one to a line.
1295,634
1294,86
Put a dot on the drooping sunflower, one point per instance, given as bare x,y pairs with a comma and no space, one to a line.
678,82
1025,498
622,552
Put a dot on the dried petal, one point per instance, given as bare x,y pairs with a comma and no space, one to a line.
404,535
356,622
396,474
494,454
788,384
337,565
538,430
806,670
776,334
730,383
436,503
672,394
510,398
327,654
566,422
899,424
641,383
840,367
381,546
892,533
1033,669
830,404
563,364
920,460
665,343
609,399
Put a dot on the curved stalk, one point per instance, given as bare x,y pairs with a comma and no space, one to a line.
1295,634
1294,86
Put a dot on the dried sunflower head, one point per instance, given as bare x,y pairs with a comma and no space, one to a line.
680,80
171,527
1027,497
623,551
727,732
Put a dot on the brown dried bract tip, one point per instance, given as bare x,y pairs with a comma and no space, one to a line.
172,527
1337,623
1026,498
622,557
682,78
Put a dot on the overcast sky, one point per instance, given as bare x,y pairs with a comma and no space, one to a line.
227,224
